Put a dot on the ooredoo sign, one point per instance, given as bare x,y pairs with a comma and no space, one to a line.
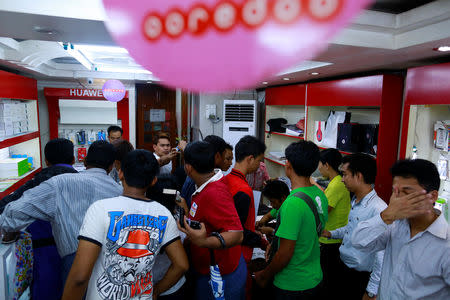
217,45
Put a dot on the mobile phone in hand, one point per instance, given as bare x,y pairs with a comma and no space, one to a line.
180,215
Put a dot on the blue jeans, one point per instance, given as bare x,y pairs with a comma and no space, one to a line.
234,284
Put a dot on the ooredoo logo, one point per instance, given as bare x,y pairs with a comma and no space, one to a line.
224,16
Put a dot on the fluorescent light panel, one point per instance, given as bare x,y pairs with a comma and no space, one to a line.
101,68
306,65
105,49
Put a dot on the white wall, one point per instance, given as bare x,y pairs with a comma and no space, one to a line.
205,124
44,113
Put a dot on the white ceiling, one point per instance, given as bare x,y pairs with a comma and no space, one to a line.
374,41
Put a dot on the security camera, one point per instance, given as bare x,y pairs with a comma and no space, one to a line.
90,80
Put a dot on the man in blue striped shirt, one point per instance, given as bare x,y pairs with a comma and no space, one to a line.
63,201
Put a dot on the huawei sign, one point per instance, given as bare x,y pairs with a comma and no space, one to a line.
224,16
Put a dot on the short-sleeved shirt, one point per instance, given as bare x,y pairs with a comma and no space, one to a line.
166,169
339,198
213,205
274,213
297,223
131,233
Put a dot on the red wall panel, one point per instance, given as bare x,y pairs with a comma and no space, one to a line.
363,91
17,87
389,133
286,95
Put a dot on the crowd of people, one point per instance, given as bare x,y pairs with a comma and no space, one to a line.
120,229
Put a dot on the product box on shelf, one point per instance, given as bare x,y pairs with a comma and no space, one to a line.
13,167
349,136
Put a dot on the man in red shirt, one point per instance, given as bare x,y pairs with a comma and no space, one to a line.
221,230
249,153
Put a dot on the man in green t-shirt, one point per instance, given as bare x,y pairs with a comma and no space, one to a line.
295,267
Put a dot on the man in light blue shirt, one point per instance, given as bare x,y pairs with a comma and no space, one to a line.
360,270
415,236
63,201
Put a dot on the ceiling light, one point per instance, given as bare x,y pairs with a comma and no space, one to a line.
149,82
314,73
442,48
101,68
264,82
77,55
44,30
285,78
103,49
306,65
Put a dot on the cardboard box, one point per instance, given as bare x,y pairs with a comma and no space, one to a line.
13,167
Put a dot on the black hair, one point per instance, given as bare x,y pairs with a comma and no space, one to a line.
160,135
332,157
59,151
218,143
200,155
423,170
362,163
304,157
139,168
165,181
101,154
248,145
114,128
276,189
122,148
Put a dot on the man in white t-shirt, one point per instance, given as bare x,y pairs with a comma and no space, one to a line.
121,237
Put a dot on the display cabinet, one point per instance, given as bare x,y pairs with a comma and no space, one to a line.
19,128
370,100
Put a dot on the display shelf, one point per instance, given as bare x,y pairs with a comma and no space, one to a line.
371,100
278,162
24,91
362,115
10,185
427,100
286,135
19,138
340,151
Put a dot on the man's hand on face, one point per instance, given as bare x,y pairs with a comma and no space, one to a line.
407,206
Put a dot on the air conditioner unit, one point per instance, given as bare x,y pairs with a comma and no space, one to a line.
240,119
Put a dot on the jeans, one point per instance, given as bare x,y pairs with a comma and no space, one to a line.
234,284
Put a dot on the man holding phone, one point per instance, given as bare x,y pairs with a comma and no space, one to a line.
164,154
220,230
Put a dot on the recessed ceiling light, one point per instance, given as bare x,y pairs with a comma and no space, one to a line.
314,73
286,78
264,82
442,48
44,30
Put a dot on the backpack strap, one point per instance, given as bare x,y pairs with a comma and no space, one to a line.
313,208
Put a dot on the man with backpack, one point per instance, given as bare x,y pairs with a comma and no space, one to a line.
295,266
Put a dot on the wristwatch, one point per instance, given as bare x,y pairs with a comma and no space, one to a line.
371,295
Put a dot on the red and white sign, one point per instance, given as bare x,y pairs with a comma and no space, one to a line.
223,45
